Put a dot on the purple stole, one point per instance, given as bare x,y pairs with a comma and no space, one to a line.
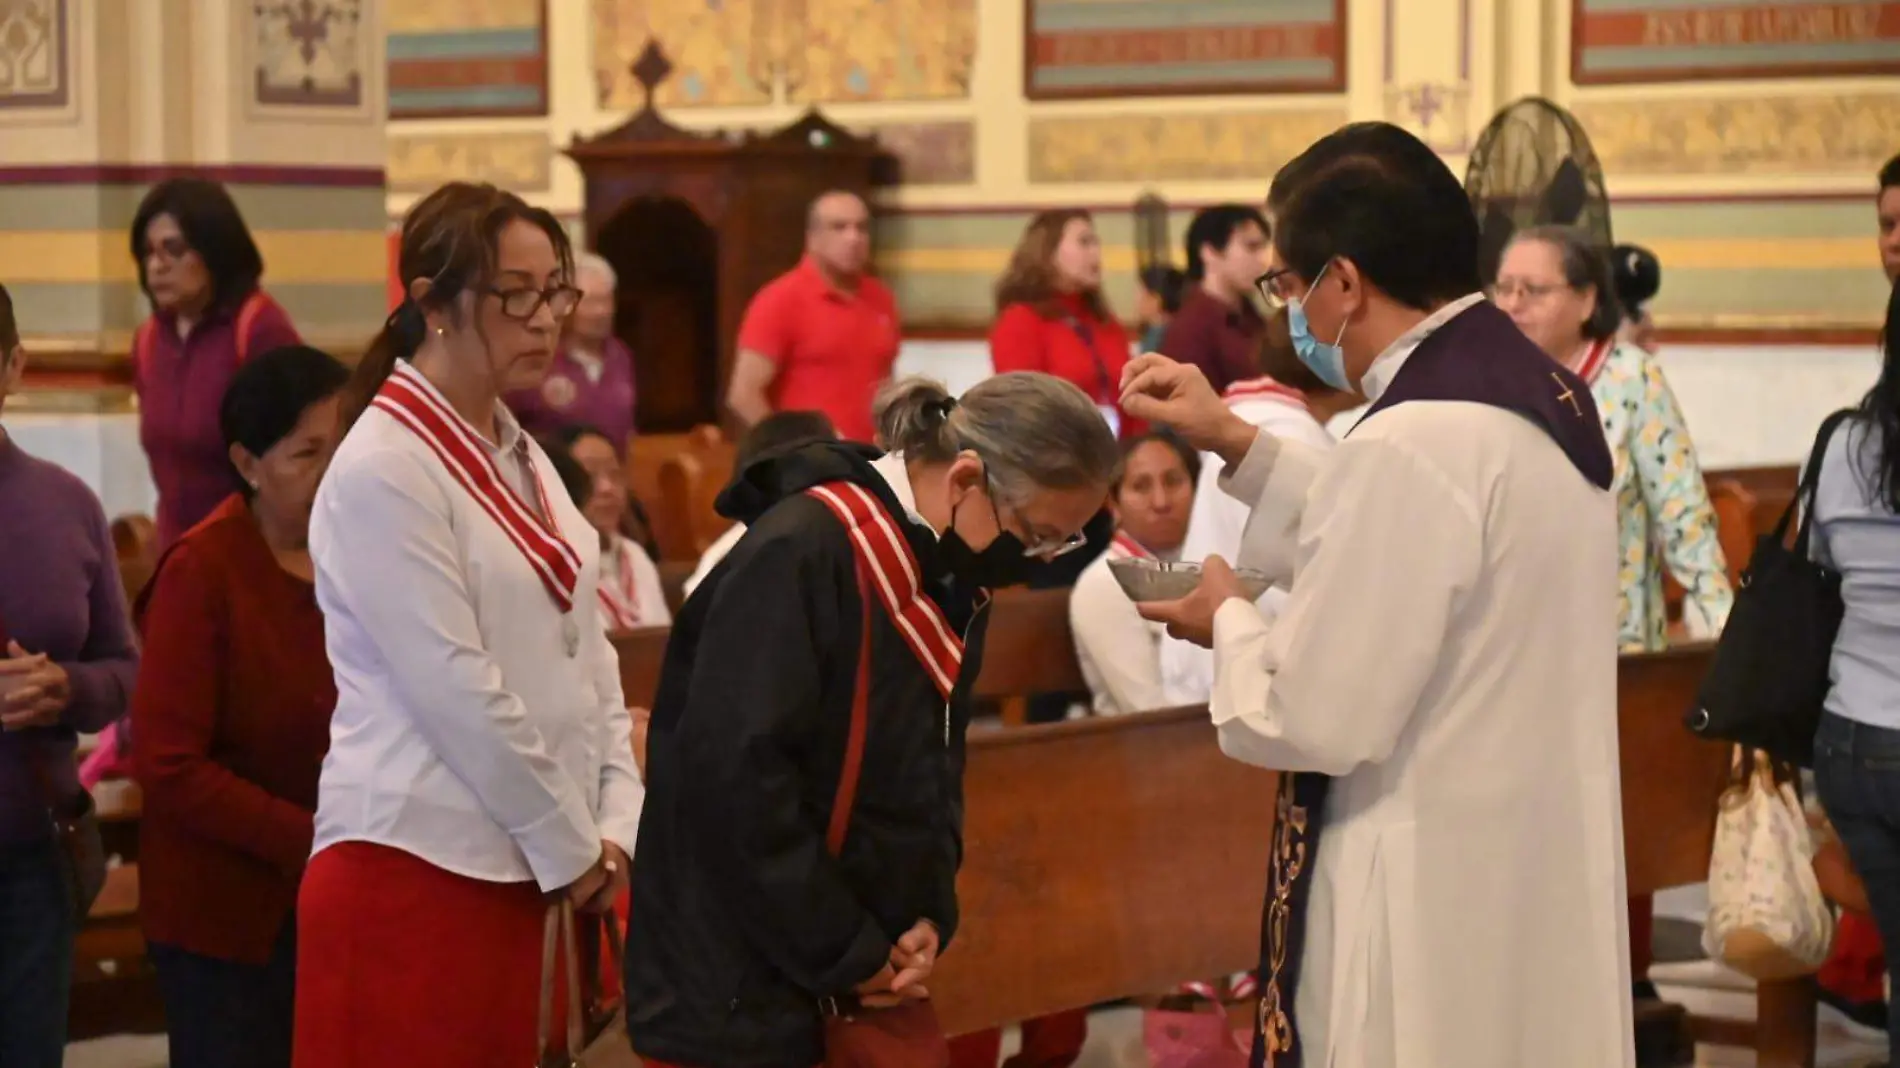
1478,356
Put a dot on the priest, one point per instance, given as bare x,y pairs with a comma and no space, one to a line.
1447,880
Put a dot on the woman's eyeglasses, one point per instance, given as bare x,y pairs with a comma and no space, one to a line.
522,304
1512,289
1039,548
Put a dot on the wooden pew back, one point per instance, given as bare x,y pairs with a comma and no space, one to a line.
1103,858
1029,650
641,654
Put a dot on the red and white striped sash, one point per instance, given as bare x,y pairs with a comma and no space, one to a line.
1593,360
620,593
409,399
1263,388
1123,547
886,558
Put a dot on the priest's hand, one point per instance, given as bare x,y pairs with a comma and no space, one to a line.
1176,395
1191,618
34,691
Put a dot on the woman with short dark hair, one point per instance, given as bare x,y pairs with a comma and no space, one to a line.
199,267
66,665
231,721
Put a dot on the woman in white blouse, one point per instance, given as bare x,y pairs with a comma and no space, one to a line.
1119,652
480,763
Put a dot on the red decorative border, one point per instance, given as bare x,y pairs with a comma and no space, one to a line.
540,108
1664,75
1335,84
228,173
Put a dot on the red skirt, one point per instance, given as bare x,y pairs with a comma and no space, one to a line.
400,962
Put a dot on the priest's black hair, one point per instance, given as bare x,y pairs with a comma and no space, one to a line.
269,394
1372,193
1890,173
1881,409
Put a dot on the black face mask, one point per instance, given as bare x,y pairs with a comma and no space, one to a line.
1001,564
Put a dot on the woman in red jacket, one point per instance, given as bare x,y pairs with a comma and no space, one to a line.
1051,316
230,723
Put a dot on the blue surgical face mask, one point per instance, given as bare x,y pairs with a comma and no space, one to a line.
1326,361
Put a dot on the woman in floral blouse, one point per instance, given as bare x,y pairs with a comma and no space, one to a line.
1555,286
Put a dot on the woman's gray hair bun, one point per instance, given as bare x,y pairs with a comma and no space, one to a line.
1031,430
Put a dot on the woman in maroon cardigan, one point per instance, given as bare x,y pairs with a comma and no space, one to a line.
199,267
230,723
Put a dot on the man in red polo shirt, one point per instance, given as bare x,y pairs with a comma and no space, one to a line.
822,336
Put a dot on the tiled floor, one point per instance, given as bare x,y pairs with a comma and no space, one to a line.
1115,1035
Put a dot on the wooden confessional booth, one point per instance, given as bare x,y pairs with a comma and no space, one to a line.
694,224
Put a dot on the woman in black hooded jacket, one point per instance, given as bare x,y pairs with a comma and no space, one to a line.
763,891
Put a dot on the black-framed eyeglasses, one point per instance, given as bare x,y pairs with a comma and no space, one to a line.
172,249
523,303
1269,286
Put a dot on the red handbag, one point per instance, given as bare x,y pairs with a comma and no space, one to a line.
907,1035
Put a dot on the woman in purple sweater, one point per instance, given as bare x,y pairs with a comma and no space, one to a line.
67,661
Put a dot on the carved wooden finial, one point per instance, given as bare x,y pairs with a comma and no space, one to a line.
651,68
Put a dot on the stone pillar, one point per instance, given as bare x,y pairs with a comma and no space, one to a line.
282,100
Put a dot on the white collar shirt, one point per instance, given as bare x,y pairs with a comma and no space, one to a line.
464,733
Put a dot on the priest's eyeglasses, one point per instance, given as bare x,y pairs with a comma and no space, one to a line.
522,304
1274,286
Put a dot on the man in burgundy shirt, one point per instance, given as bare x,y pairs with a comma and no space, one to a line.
1218,328
822,336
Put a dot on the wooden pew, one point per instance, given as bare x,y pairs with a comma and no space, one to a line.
641,653
1029,650
1103,858
1672,781
1113,857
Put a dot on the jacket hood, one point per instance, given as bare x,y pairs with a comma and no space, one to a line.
777,474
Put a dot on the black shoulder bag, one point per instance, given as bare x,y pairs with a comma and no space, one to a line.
1769,679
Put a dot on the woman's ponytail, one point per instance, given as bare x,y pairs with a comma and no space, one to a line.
399,339
912,416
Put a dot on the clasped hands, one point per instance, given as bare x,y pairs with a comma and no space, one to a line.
1178,396
901,979
34,691
599,886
